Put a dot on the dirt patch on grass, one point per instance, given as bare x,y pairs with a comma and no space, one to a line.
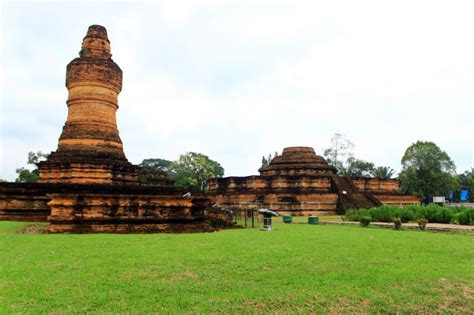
458,297
35,228
185,275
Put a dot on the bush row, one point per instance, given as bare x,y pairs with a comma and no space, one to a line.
433,213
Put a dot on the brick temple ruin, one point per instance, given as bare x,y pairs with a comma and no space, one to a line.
87,184
299,182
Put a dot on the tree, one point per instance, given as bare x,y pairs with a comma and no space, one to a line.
30,176
35,158
266,161
357,168
155,171
466,181
427,170
159,164
26,176
192,170
341,148
382,172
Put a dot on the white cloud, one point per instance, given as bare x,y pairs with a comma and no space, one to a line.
238,80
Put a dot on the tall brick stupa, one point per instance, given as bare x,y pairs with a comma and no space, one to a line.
90,150
87,185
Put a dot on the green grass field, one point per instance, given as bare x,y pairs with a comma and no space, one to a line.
295,268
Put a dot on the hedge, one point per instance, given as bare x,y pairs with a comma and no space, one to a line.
433,213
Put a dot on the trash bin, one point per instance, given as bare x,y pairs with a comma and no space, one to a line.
313,220
287,219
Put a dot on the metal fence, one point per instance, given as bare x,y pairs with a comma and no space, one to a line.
246,218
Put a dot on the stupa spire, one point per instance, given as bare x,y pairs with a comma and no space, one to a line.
90,149
96,44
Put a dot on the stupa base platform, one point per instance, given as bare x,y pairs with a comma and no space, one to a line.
88,171
71,208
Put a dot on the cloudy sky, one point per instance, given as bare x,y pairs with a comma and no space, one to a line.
236,80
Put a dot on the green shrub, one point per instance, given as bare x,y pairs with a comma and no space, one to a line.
356,214
436,214
352,215
466,217
413,208
397,223
444,215
432,213
382,214
364,221
405,214
428,212
459,209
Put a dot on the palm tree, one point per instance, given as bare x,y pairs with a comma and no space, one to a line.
383,172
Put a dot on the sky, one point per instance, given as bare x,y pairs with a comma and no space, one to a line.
237,80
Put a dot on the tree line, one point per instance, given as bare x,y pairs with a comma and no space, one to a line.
427,170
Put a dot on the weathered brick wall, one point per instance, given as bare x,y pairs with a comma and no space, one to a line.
397,199
376,184
122,213
270,182
296,203
20,202
109,208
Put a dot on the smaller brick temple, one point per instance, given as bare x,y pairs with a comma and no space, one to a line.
299,182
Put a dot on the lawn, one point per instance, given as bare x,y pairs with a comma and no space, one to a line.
295,268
